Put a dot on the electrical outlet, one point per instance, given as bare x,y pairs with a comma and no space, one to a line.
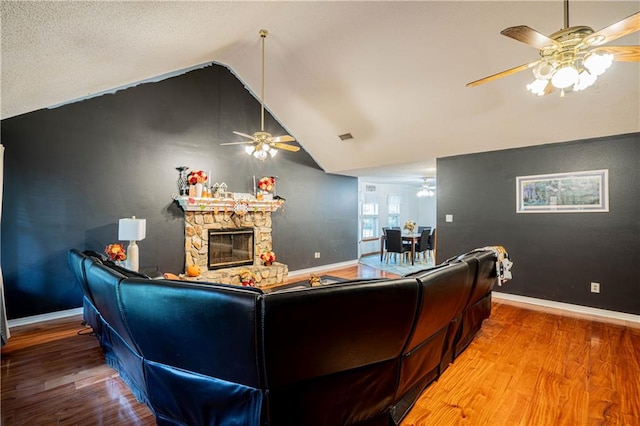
595,287
317,255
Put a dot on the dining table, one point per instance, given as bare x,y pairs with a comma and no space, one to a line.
412,238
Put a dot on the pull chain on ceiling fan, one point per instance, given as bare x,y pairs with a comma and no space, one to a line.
262,144
572,58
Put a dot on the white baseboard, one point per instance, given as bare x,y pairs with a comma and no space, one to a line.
323,268
587,310
44,317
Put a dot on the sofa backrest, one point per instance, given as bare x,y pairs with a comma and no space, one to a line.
78,264
103,284
210,329
444,293
482,264
332,352
336,327
76,259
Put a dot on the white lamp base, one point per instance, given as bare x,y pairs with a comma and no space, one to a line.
132,256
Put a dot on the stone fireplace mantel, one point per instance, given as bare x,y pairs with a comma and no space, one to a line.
227,205
203,214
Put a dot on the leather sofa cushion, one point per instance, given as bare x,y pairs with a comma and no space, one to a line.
210,329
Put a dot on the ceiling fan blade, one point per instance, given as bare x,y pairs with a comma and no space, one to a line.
503,74
285,146
244,135
237,143
284,138
622,53
530,37
619,29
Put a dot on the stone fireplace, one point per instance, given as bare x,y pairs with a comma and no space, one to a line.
210,215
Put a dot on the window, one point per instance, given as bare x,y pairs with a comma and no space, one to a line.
369,209
393,207
369,220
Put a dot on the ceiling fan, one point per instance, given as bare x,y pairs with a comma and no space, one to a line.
572,58
262,143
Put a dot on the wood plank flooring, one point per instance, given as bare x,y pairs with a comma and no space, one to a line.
528,366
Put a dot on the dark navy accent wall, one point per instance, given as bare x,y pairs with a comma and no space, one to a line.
556,255
71,172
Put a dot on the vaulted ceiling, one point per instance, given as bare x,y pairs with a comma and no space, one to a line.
391,73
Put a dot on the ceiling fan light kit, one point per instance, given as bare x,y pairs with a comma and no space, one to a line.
261,151
262,144
573,58
428,188
569,70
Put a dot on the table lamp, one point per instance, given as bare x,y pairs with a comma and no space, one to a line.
133,230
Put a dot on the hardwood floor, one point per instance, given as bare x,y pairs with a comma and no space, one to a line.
528,366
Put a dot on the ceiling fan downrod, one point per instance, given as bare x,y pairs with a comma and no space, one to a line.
263,35
261,143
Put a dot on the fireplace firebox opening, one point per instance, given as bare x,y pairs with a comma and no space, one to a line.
230,247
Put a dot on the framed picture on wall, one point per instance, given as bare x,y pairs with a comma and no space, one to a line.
574,192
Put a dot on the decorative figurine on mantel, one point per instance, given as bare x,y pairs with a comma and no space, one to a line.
215,190
183,185
222,190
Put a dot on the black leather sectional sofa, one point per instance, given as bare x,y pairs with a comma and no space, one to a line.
351,353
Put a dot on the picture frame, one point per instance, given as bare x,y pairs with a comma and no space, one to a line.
572,192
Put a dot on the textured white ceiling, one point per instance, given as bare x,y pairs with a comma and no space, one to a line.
391,73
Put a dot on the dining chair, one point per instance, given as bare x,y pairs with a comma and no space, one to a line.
395,245
384,234
424,245
431,245
422,228
434,244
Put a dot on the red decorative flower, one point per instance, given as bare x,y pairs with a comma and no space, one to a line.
197,176
115,252
268,256
267,183
247,278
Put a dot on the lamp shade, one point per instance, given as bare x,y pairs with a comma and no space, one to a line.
132,229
